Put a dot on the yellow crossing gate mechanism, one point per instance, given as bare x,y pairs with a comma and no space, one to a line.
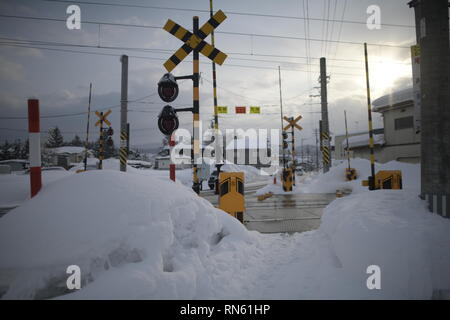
350,174
386,179
231,194
287,179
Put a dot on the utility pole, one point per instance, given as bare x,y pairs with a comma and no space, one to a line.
432,32
325,132
123,152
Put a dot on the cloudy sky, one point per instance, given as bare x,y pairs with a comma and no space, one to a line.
40,57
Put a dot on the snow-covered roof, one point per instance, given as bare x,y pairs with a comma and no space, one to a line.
139,162
363,140
392,98
67,149
14,160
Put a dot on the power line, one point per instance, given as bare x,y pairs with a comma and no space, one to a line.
228,12
77,113
222,32
156,50
160,50
161,59
59,44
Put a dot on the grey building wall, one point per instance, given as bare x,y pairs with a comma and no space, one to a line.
402,144
395,136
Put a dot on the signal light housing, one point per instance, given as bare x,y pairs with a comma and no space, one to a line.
168,120
168,88
110,131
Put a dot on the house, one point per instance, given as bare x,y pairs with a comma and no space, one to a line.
16,164
66,156
162,160
397,140
358,144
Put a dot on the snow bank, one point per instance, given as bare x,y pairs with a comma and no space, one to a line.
391,229
335,178
133,236
15,188
395,231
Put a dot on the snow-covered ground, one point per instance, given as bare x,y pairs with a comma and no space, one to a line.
139,236
15,188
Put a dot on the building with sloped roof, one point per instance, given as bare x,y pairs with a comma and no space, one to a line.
397,140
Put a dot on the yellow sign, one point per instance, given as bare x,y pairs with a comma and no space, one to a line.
255,109
415,51
222,109
102,117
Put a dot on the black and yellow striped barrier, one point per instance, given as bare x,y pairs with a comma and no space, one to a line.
195,41
123,152
231,194
326,147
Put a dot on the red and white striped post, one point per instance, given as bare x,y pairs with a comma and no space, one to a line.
172,165
35,146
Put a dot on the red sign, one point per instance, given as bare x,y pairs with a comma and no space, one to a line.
240,109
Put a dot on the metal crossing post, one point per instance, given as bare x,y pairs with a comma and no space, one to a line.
195,113
369,113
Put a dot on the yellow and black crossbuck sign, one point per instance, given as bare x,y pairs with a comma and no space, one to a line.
292,123
195,41
102,117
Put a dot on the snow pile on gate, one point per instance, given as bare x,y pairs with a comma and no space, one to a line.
335,178
133,236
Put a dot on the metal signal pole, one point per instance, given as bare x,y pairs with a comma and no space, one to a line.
87,129
216,115
346,138
281,112
195,113
101,148
369,113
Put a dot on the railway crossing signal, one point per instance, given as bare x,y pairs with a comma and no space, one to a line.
109,132
293,125
168,89
168,120
195,41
